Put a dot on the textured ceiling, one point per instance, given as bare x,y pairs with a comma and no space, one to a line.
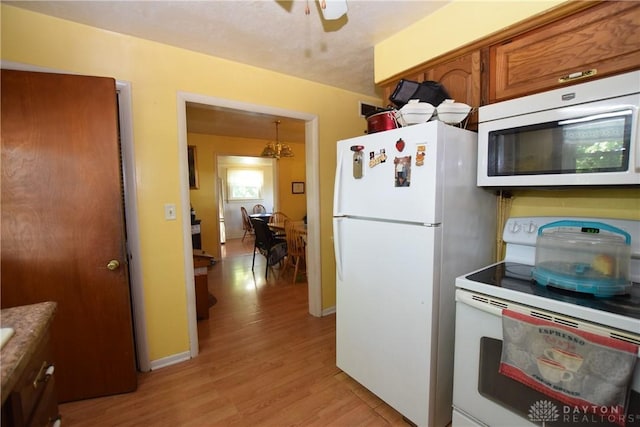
270,34
276,35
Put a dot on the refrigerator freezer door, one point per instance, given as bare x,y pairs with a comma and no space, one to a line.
399,175
385,293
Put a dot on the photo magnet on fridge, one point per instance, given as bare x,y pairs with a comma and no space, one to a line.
376,159
402,171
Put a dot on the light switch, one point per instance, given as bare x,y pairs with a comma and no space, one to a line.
170,211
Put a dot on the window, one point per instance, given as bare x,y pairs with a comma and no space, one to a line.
244,184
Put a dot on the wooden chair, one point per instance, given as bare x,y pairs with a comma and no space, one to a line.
273,248
246,222
295,247
259,209
278,218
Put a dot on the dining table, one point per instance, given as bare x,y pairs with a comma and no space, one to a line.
298,225
265,216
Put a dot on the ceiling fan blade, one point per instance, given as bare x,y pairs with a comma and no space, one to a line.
333,9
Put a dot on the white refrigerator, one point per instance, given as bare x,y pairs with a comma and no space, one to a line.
408,219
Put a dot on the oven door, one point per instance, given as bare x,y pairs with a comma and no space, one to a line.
484,397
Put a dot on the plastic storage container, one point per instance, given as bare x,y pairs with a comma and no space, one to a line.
583,256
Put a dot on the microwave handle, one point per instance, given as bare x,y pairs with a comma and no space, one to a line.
588,224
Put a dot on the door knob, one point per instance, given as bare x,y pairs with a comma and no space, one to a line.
113,264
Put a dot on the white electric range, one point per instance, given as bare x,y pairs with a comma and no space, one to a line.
484,397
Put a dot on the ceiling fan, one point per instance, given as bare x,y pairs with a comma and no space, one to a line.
331,9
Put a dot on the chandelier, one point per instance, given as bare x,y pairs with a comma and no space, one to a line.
275,150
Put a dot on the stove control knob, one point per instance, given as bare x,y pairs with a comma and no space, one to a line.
532,228
515,227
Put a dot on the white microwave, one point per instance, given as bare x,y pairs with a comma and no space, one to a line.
586,134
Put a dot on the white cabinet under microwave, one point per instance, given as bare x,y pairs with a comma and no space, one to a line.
586,134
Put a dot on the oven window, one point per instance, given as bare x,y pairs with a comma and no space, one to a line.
519,398
597,143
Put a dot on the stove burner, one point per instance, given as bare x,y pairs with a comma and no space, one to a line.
518,277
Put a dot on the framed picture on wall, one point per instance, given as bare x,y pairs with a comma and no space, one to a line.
193,166
297,187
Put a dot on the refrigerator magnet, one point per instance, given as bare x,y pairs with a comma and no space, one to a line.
376,159
420,154
402,171
400,145
357,160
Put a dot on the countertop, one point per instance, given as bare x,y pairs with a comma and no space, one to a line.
29,322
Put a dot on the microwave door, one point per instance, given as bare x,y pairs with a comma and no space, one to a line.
526,152
576,147
598,143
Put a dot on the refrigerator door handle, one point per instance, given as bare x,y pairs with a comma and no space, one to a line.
337,188
337,245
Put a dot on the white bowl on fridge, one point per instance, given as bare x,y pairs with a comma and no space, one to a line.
452,112
414,112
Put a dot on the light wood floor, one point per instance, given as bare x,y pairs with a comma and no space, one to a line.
264,361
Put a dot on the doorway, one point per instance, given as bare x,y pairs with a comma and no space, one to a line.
312,188
230,209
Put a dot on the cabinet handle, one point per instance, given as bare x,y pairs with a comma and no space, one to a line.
45,372
578,75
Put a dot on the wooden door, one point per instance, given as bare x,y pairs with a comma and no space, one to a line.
63,223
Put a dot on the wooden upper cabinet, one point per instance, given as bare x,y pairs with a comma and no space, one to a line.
557,48
461,78
596,42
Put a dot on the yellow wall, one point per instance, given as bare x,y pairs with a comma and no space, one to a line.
292,170
203,199
456,24
157,72
597,203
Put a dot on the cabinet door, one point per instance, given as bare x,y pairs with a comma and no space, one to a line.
33,400
461,78
597,42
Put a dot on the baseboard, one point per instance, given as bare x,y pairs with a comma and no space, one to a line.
328,311
170,360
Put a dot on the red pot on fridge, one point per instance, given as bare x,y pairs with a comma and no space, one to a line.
381,121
